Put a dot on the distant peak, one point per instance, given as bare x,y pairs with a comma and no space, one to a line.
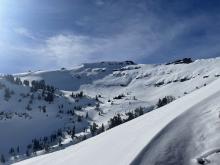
108,63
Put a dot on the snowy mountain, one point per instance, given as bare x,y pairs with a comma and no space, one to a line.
177,133
45,111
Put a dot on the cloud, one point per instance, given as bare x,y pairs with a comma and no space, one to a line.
99,2
77,32
137,41
24,32
71,49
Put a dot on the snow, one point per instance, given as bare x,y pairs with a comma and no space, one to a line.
121,145
20,130
111,79
142,85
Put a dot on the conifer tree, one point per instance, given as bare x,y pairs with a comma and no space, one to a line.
2,160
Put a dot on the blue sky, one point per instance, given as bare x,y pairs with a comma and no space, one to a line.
49,34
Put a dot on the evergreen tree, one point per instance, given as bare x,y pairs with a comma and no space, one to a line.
79,118
7,94
72,95
96,98
103,128
81,94
12,152
26,83
27,153
93,129
18,149
18,81
2,159
73,133
44,109
115,121
60,141
130,116
84,137
165,100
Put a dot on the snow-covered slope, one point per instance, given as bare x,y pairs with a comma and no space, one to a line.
109,88
141,84
26,115
166,126
145,82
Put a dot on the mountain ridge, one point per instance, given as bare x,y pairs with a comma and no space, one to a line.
95,93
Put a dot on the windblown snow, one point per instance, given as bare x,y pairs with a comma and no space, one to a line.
179,133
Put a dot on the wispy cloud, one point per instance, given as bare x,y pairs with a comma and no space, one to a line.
73,32
71,49
24,32
137,41
99,2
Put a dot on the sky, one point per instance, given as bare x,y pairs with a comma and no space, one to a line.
50,34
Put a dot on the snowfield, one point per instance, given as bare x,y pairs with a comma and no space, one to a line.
177,133
96,93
